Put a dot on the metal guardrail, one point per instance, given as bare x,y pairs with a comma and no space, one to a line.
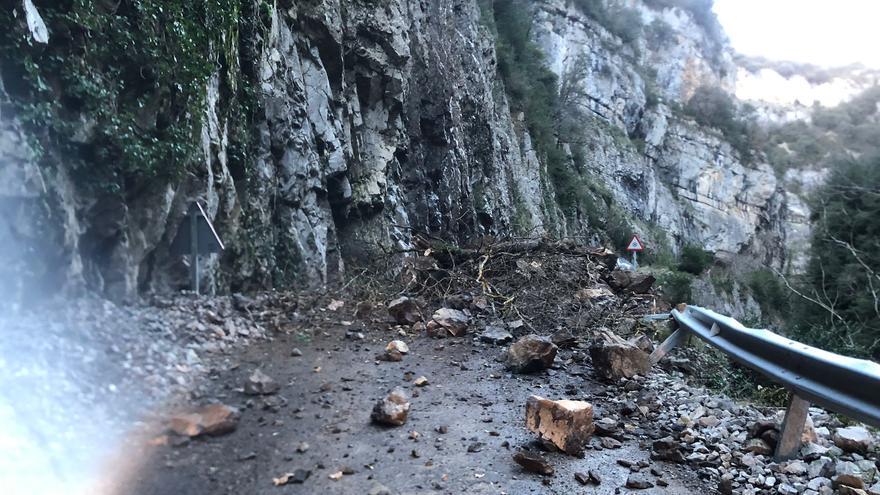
843,384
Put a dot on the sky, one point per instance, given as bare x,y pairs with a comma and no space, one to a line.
827,33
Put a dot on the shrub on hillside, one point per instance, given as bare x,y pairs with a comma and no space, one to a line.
129,81
694,260
532,88
676,287
831,136
712,106
620,20
660,33
768,291
842,276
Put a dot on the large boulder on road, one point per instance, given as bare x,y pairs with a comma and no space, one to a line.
531,353
615,358
566,423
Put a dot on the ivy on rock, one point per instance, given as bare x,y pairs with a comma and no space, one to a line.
119,91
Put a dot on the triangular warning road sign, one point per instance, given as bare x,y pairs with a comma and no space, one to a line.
635,244
207,240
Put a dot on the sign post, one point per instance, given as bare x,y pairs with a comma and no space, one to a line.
194,249
634,247
195,237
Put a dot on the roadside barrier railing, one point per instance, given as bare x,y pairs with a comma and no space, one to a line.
842,384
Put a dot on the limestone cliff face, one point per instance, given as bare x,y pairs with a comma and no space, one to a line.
378,119
686,180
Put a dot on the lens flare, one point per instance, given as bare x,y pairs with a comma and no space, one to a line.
56,426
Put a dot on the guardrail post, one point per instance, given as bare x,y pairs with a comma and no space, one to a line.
674,340
792,428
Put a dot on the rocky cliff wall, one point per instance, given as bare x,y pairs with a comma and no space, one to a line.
661,166
378,119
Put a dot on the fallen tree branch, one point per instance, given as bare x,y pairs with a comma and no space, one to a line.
525,246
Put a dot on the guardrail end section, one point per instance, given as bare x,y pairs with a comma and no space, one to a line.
674,340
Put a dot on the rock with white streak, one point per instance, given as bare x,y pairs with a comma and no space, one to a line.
35,23
398,346
853,439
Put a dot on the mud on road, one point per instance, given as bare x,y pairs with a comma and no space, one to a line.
462,431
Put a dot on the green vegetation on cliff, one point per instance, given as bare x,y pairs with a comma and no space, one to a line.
120,88
834,305
713,107
833,135
615,16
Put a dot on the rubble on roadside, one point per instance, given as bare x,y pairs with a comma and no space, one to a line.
405,310
855,439
212,419
496,335
393,409
530,354
260,384
566,423
591,310
583,324
614,357
394,351
533,463
448,322
733,443
637,282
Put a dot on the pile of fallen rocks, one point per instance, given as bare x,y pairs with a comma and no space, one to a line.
728,442
734,443
545,286
128,356
562,310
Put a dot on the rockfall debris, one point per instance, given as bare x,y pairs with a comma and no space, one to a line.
405,311
260,384
394,351
567,320
212,419
566,423
393,409
533,463
448,322
531,353
615,358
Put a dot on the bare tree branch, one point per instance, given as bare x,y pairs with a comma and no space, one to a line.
813,300
871,275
